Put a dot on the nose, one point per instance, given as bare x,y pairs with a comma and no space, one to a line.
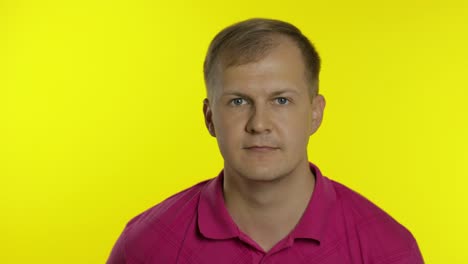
259,121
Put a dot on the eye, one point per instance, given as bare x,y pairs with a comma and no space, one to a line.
238,101
282,100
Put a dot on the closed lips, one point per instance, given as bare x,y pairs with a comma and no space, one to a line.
261,147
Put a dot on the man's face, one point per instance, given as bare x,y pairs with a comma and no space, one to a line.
262,115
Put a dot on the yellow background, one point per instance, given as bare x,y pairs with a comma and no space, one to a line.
101,114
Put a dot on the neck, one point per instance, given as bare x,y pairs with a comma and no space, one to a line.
267,211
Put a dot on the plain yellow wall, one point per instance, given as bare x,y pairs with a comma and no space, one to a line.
101,114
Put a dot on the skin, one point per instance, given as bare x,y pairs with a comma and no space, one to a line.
262,116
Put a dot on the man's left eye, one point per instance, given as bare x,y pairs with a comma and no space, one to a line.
282,100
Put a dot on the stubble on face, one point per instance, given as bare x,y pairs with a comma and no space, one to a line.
260,138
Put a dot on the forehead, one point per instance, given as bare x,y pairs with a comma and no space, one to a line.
282,67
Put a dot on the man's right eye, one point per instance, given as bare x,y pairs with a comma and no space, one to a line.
238,101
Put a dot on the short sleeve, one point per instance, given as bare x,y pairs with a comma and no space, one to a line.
117,255
413,256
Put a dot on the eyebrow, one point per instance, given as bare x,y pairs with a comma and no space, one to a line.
276,93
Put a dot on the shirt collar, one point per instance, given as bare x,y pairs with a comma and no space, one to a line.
215,222
317,214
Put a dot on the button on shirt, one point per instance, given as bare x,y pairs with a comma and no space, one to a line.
194,227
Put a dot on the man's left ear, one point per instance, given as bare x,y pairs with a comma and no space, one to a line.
318,105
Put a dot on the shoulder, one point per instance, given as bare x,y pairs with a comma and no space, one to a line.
165,222
356,205
380,237
171,209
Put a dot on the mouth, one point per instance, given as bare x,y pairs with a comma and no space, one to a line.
261,148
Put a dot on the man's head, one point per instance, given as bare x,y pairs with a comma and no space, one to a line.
249,41
264,103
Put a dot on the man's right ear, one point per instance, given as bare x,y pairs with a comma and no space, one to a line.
208,114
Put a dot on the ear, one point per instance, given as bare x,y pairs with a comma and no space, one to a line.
318,105
208,114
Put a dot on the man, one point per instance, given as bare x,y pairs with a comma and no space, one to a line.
268,204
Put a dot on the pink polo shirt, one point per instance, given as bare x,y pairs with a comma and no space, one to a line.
194,226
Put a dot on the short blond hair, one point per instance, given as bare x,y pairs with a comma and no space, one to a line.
249,41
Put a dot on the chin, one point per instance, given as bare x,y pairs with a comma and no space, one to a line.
262,173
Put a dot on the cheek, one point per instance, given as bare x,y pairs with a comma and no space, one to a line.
228,128
296,128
